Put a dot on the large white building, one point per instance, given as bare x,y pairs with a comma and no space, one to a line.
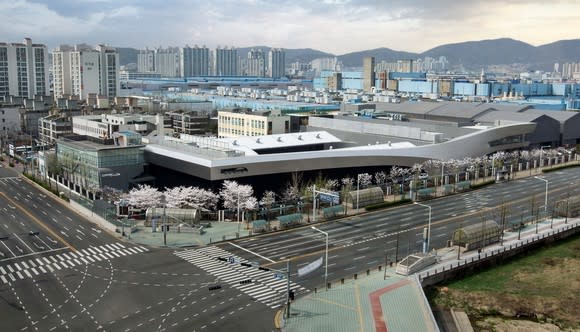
24,69
168,62
146,61
276,63
81,71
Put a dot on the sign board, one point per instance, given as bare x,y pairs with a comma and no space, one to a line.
329,198
11,150
310,267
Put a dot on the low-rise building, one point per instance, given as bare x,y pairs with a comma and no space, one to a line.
252,123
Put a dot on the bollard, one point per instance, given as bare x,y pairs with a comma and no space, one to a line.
342,281
380,267
315,290
355,276
328,286
368,272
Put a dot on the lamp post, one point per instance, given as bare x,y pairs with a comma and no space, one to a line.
325,256
546,196
357,190
426,247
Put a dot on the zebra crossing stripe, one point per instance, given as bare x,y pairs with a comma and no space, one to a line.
27,273
4,280
2,270
19,275
11,277
41,269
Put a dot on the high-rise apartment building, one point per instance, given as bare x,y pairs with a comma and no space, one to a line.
146,61
194,61
256,63
368,73
569,69
23,69
168,62
82,70
276,63
225,62
405,66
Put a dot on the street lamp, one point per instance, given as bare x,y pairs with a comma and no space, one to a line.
546,196
326,256
357,190
426,247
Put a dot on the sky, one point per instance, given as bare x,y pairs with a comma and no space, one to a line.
334,26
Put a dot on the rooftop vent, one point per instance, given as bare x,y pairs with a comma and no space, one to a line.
258,140
317,135
279,139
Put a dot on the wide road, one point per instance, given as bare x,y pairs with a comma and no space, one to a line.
60,272
369,240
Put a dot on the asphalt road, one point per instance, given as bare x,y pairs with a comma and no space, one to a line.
59,272
367,241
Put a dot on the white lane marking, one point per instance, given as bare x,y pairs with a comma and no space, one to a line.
13,254
31,250
251,252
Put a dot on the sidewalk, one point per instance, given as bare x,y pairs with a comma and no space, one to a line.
369,303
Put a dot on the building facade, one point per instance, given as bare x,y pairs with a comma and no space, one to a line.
225,62
168,62
256,65
276,63
82,71
368,73
53,127
194,61
235,124
24,69
146,61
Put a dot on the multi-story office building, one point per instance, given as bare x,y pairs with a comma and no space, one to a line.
52,127
276,63
146,61
82,71
24,69
189,122
368,73
225,62
256,63
194,61
248,123
168,62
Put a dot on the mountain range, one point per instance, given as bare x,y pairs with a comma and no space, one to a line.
470,54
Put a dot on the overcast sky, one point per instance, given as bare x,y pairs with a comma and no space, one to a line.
335,26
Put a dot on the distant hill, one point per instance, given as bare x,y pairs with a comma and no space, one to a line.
354,59
127,55
472,54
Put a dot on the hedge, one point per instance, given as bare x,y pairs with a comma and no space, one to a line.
483,184
557,168
386,204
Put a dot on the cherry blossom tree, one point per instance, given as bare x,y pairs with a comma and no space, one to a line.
380,178
144,197
365,179
191,197
268,199
233,193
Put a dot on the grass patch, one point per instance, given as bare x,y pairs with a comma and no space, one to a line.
542,285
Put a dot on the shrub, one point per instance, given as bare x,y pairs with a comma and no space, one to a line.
386,204
483,184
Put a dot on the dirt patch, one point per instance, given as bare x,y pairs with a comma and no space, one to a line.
496,324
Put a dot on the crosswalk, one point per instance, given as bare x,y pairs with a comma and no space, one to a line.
47,264
236,271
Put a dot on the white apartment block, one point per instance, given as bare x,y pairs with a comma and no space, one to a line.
194,61
82,71
233,124
24,69
146,61
225,62
276,63
256,65
168,62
